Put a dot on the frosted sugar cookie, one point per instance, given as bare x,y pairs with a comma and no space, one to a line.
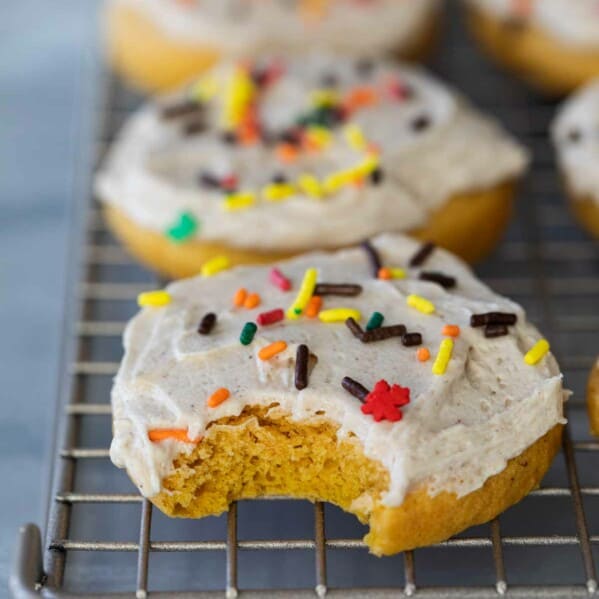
261,160
159,44
552,44
385,379
575,133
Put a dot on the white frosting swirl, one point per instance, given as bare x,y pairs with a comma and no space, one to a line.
575,133
459,429
249,27
572,21
151,173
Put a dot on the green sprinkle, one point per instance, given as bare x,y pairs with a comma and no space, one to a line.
184,228
247,333
375,321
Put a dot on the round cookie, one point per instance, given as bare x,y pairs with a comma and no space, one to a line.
552,44
575,133
593,399
160,44
385,379
264,160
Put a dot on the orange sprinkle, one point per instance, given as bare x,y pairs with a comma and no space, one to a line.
218,397
248,135
287,153
240,297
385,273
373,148
451,330
251,301
268,352
423,354
361,97
313,307
180,434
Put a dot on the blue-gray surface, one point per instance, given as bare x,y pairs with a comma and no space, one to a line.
46,51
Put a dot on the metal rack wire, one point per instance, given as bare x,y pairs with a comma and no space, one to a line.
548,546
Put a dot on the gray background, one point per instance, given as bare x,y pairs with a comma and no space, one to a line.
47,58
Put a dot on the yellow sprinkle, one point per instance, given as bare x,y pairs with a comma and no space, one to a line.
397,273
537,352
319,136
304,294
215,265
443,356
339,315
420,303
205,89
368,165
238,201
275,192
310,185
324,97
354,136
239,93
335,181
154,299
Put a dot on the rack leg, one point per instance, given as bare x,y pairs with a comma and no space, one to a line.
27,574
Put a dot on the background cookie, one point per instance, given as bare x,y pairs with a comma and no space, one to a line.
552,44
575,133
160,44
278,157
422,403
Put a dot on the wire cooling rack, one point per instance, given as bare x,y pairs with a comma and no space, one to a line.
102,539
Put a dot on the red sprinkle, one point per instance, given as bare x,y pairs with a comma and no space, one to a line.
384,401
271,317
229,182
278,279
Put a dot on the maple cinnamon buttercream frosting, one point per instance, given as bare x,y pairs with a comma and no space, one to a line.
384,378
552,44
160,44
261,160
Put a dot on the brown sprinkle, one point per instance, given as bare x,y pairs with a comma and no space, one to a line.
437,277
422,254
373,257
207,323
411,339
194,126
179,108
301,366
346,289
355,328
356,389
479,320
382,333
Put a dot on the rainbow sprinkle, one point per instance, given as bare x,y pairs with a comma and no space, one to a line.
443,356
537,352
304,294
154,299
215,266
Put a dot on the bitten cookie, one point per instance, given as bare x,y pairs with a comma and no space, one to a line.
575,133
593,399
258,161
552,44
385,379
160,44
